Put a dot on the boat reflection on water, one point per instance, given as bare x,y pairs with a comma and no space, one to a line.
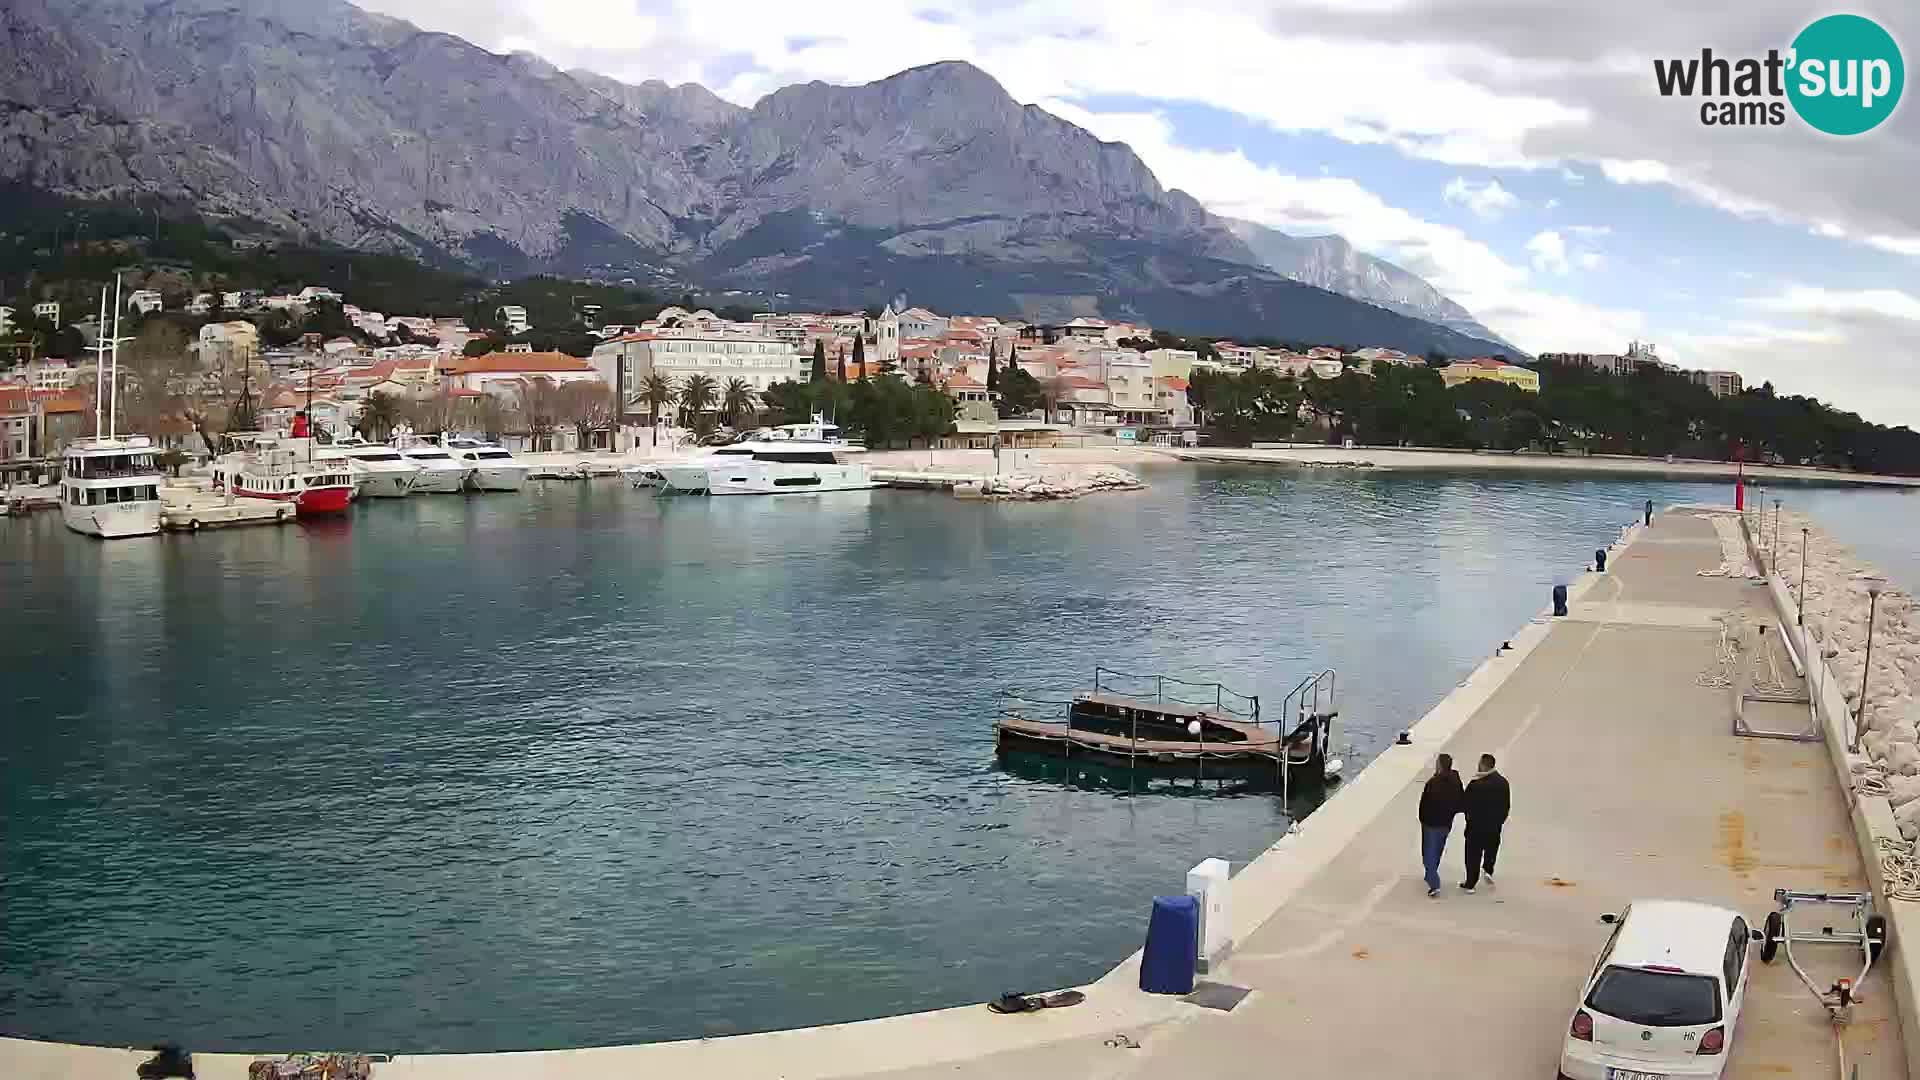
1120,780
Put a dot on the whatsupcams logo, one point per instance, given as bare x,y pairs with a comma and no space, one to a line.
1842,75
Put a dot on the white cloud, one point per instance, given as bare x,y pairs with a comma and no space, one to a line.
1552,204
1499,293
1589,260
1845,347
1548,252
1830,231
1488,201
1899,245
1570,176
1590,232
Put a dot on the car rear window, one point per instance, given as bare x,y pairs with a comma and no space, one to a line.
1655,998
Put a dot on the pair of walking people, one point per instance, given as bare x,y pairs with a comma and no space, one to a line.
1485,802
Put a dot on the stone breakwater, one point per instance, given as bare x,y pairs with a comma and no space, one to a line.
1836,617
1058,484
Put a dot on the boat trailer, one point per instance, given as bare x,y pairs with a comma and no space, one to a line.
1869,935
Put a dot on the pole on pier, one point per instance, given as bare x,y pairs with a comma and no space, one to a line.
1739,476
1801,619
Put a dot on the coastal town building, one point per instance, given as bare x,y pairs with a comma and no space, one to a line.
512,318
144,301
719,354
6,320
1486,367
49,375
1720,383
227,346
48,311
502,374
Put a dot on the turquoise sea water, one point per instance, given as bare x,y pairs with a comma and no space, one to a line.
580,766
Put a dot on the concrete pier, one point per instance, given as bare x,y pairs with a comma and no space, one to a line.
1627,783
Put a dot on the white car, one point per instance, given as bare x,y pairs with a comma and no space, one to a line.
1663,998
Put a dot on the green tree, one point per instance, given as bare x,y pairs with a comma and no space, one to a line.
381,413
860,353
840,363
788,402
697,396
1020,393
736,403
819,373
657,391
993,366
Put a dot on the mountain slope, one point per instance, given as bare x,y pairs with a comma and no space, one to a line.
1334,264
363,130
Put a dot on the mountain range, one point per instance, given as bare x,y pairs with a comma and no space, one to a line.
332,123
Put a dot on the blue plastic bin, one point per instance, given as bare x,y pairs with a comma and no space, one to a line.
1173,946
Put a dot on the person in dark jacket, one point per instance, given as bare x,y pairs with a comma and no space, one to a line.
1439,802
1486,804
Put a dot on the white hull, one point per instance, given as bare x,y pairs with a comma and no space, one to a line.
750,477
113,520
435,481
498,478
384,484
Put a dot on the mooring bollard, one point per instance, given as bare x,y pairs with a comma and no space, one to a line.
1207,884
1649,518
1559,599
1600,560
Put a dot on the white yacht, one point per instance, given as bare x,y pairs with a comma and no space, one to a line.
109,485
494,467
378,471
789,460
440,473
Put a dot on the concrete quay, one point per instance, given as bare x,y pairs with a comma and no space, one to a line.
1628,783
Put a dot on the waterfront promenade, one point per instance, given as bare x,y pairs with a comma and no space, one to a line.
1627,783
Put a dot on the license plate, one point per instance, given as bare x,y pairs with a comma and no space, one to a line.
1629,1074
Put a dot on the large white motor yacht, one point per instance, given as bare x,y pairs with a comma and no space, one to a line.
110,485
378,471
440,472
788,460
494,467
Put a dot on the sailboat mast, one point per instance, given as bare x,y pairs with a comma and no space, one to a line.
99,362
113,378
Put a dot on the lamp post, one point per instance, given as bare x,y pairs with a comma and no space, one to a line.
1801,618
1875,586
1774,548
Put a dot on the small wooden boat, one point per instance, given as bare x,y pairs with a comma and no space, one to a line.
1181,728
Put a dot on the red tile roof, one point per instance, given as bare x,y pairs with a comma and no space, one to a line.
496,363
1173,382
13,400
964,382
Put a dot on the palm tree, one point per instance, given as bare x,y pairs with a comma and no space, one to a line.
380,415
736,402
697,394
657,392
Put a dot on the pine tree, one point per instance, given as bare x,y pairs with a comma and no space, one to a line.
860,353
819,361
840,362
993,366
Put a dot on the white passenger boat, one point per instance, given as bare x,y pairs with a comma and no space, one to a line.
110,485
494,467
378,471
788,460
110,488
315,480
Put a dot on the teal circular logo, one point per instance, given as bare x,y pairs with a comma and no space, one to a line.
1846,74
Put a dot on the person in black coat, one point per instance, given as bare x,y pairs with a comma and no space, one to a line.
1486,803
1440,800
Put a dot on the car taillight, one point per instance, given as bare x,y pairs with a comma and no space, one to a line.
1582,1027
1713,1041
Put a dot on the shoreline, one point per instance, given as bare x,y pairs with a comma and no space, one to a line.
1396,459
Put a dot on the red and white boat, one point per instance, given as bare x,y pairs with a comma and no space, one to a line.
285,470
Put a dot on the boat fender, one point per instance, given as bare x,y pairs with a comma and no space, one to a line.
1600,560
193,524
281,515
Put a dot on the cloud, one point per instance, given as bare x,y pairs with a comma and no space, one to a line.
1590,232
1899,245
1501,294
1548,252
1842,346
1488,201
1589,260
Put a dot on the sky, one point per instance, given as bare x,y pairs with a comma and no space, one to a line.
1516,154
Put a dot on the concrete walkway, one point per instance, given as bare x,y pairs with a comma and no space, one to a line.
1627,784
